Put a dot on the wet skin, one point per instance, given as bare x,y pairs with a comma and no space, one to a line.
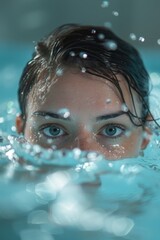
95,117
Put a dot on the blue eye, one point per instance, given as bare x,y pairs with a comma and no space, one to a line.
112,131
53,131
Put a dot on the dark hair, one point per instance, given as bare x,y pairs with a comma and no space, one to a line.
97,50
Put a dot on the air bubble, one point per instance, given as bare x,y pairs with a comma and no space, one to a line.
115,13
104,4
133,36
64,112
141,39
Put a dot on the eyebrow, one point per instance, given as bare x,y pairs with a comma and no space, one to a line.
59,116
111,115
50,114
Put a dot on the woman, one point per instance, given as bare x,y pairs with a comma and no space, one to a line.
87,88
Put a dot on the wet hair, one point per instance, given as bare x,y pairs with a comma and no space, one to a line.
95,50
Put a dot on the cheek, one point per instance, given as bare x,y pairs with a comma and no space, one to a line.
127,147
30,136
132,145
29,133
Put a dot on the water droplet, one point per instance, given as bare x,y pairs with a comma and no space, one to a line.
92,156
111,45
47,117
124,107
83,70
1,119
59,72
108,100
158,41
72,54
64,112
101,36
76,152
83,55
133,36
115,13
93,31
108,25
128,133
10,108
104,4
50,141
37,148
13,128
141,39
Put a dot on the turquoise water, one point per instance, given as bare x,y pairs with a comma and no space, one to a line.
57,195
72,194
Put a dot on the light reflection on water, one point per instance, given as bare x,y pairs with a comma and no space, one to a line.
49,195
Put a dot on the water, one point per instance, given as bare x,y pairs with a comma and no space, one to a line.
48,194
57,195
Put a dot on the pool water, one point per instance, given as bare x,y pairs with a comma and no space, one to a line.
48,194
57,195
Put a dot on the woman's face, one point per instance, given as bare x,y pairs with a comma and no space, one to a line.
84,111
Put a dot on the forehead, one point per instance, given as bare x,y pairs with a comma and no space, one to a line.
76,90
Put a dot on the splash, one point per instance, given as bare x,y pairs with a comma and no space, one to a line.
61,192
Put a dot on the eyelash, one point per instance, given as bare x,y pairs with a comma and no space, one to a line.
49,126
122,128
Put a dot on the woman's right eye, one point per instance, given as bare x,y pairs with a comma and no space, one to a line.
53,131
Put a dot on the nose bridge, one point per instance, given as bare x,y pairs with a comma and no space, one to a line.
84,143
85,140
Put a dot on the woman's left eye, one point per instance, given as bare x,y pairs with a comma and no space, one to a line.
53,131
112,131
